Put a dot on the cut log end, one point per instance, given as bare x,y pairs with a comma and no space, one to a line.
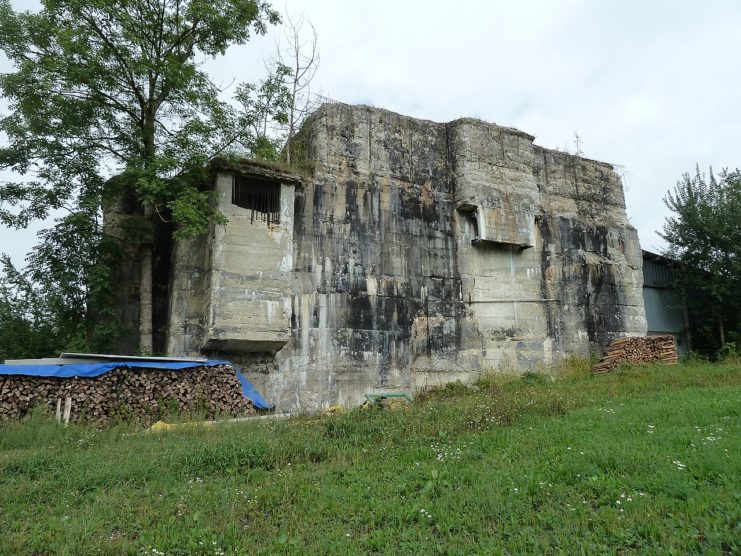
141,394
638,350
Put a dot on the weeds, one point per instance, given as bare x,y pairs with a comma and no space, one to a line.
645,459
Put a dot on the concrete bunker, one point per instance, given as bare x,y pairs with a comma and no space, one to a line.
241,272
415,253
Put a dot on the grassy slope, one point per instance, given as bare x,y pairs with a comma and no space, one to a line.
640,460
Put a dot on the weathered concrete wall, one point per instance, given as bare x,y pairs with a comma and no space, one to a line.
422,253
189,295
120,217
250,276
232,292
374,232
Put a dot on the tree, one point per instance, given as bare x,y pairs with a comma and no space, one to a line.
27,328
45,308
299,61
704,238
106,88
276,107
264,109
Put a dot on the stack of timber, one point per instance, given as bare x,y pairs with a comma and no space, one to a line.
128,393
646,349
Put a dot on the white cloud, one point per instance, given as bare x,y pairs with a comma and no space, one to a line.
651,86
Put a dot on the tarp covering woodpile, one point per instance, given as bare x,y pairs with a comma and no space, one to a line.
142,390
637,350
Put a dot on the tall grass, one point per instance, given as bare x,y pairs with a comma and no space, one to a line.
542,463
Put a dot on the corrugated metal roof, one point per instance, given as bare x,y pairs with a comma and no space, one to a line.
71,358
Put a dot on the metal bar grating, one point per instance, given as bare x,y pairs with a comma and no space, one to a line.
259,196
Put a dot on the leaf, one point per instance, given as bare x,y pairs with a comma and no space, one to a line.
107,101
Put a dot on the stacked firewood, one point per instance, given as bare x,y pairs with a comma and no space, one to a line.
645,349
128,393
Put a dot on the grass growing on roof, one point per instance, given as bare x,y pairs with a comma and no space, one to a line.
641,460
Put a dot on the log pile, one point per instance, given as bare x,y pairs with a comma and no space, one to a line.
128,393
645,349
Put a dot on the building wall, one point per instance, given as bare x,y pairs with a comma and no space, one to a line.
250,276
232,291
664,310
386,291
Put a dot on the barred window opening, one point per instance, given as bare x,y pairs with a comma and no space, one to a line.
261,197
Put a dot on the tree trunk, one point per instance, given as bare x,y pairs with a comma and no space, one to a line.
292,115
686,317
145,293
290,137
721,331
146,288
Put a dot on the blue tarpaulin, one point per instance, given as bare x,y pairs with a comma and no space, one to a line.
90,370
252,394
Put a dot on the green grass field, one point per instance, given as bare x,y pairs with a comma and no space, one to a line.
643,460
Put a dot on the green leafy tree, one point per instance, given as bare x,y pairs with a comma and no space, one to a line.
265,109
45,308
27,328
704,238
105,88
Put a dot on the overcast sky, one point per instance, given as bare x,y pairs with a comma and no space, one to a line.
651,86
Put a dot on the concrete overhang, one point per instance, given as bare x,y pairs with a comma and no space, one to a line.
243,346
256,169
